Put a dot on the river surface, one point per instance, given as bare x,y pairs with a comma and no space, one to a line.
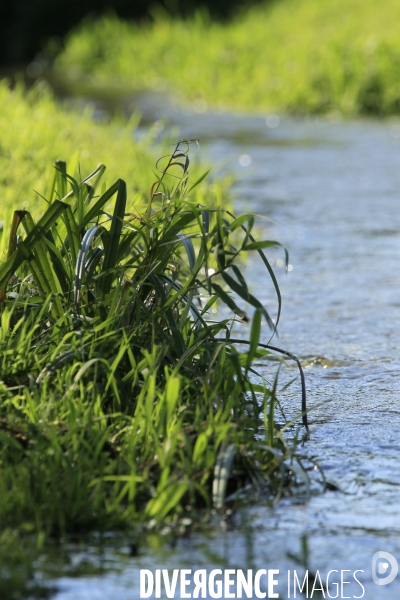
333,192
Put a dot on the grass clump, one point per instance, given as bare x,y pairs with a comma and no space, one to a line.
290,55
122,400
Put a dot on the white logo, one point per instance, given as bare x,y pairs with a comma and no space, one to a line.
380,565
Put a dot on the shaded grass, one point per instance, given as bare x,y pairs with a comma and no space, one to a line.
292,55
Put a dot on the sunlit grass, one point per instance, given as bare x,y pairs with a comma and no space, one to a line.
122,397
291,55
35,131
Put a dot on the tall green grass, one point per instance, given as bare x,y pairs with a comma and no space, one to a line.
122,397
292,55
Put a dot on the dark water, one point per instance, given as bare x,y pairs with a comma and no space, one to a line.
333,192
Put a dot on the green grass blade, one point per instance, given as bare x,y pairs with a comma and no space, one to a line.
270,271
12,244
112,245
35,236
95,211
73,234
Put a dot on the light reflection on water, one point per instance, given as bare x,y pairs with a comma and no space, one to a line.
333,193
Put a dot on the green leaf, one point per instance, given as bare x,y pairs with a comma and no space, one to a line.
255,334
244,293
221,238
41,266
98,173
112,245
12,245
164,502
61,177
33,238
261,245
199,180
9,441
269,269
72,229
188,244
95,211
59,267
241,220
229,301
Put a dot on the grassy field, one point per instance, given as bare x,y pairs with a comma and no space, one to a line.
302,56
123,397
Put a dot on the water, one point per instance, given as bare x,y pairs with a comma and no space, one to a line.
333,191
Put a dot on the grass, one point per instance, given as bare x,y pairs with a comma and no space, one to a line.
121,399
303,56
124,399
35,131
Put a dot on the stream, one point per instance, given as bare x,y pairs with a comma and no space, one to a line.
332,190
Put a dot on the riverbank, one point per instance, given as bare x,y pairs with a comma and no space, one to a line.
331,191
123,402
299,56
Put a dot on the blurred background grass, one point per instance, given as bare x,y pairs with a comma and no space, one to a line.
27,25
36,130
301,56
293,55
